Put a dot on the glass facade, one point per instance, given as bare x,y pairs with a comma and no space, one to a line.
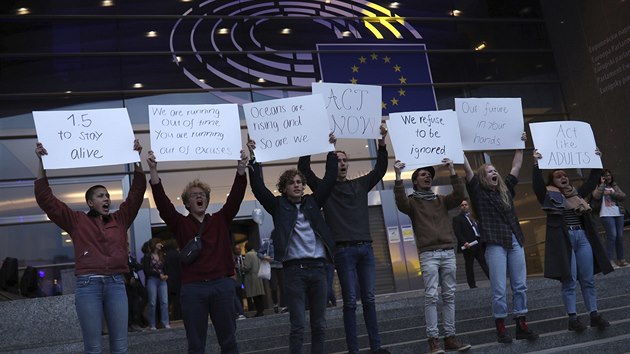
63,55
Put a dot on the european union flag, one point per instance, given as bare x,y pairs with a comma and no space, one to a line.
396,67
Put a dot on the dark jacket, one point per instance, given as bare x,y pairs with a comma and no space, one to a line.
285,213
346,210
557,246
463,231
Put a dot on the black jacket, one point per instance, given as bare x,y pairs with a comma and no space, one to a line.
284,212
463,231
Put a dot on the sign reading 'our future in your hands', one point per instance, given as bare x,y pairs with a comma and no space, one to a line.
425,138
565,144
195,132
85,138
490,123
354,111
288,127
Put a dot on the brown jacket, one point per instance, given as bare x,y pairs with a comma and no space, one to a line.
432,226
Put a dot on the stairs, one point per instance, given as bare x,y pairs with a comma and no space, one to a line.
401,324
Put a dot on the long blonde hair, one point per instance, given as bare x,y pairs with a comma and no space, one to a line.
506,198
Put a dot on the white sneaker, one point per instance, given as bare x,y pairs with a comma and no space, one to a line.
153,329
167,327
241,317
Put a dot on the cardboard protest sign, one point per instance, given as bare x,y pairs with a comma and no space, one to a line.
490,123
288,127
354,111
85,138
565,144
425,138
195,132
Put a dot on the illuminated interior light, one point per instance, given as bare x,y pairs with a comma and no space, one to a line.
223,31
138,85
481,46
286,31
456,13
63,233
68,241
68,91
107,3
394,5
178,59
151,34
203,80
261,80
346,34
23,11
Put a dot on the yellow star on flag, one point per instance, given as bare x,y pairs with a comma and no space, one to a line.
355,69
394,101
403,80
401,92
353,80
387,59
362,59
397,68
383,105
374,56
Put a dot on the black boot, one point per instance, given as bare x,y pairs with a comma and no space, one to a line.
502,336
522,331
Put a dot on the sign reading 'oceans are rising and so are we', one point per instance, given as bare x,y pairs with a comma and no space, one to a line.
288,127
195,132
85,138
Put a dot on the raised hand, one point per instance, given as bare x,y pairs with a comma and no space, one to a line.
537,155
151,161
136,146
242,163
40,150
332,138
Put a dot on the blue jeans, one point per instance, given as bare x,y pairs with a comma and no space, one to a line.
501,262
614,236
217,298
300,284
356,264
94,296
157,288
439,268
582,270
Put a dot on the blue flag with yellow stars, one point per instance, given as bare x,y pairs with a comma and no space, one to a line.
401,69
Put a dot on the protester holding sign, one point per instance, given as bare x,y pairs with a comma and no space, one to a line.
500,231
572,248
100,252
346,213
435,241
608,202
302,242
207,286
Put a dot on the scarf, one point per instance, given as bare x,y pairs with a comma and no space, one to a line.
573,200
424,194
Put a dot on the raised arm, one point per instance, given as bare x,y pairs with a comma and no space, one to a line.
455,198
402,202
129,208
517,162
380,168
329,180
469,171
304,166
152,162
538,183
40,151
237,193
261,192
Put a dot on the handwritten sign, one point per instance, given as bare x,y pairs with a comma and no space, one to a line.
195,132
490,123
288,127
425,138
354,111
85,138
565,144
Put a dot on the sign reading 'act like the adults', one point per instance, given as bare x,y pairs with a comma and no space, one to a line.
85,138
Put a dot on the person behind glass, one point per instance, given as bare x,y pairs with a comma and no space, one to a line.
135,294
467,233
572,248
435,242
99,238
157,288
607,200
239,287
254,288
276,283
207,285
173,269
492,199
302,242
346,212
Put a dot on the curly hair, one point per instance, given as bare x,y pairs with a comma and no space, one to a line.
198,184
288,176
501,187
